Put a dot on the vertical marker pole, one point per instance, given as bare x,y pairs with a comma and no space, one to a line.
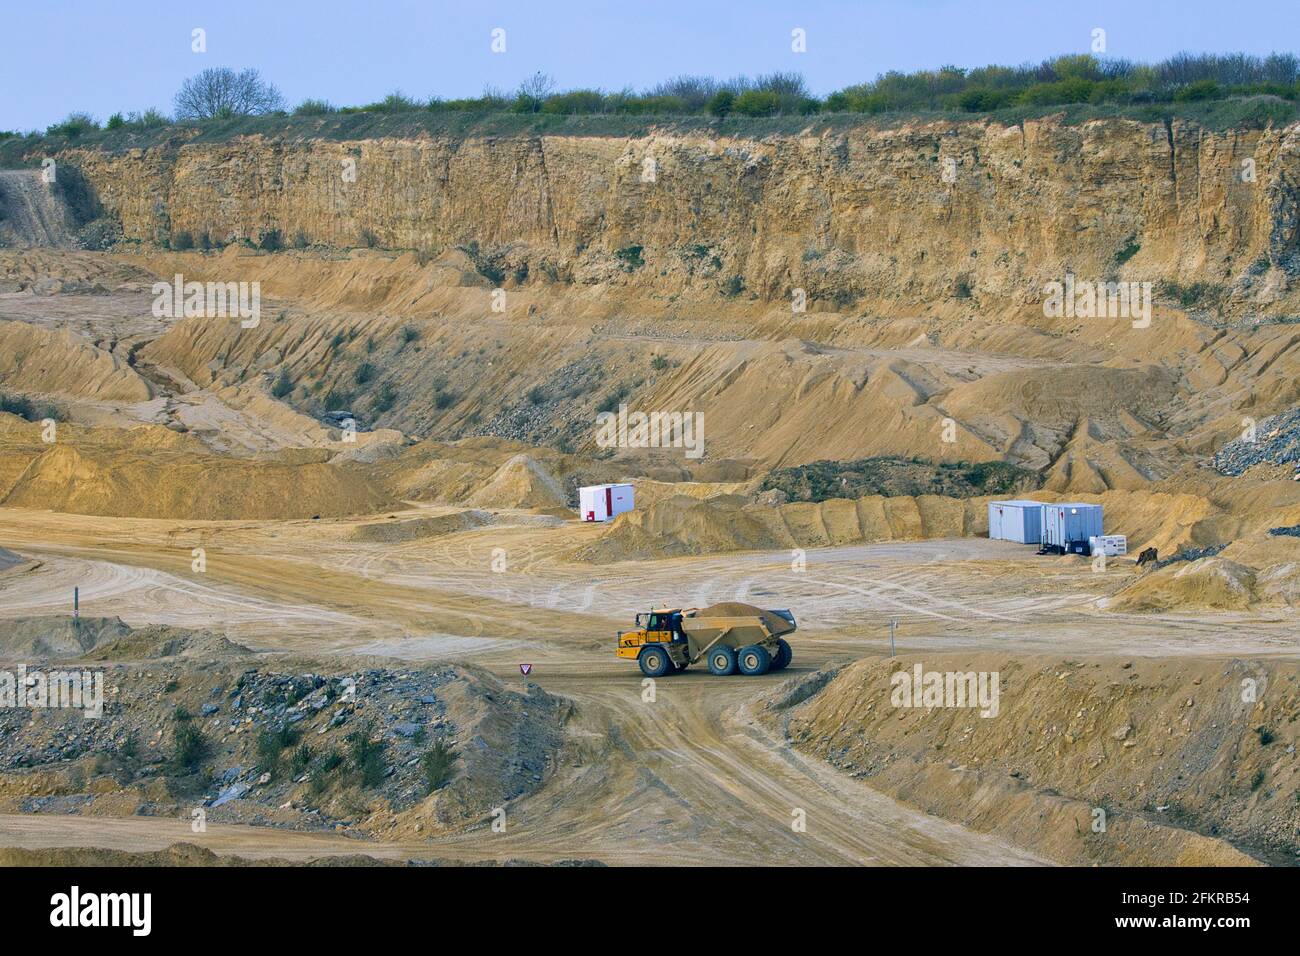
893,626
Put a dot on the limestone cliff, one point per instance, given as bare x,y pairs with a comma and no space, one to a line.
900,216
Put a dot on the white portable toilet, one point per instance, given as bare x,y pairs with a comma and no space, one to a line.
1016,521
604,502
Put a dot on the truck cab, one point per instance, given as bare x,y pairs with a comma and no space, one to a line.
659,626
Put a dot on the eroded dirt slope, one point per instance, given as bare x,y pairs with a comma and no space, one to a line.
1206,748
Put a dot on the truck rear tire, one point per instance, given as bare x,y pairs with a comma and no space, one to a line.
722,661
754,660
784,654
654,661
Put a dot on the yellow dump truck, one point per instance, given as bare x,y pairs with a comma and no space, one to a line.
728,637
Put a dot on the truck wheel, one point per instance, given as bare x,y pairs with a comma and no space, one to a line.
654,662
783,655
754,660
722,661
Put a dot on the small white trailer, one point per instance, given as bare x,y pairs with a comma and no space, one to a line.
604,502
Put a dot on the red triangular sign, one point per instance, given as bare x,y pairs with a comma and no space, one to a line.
525,668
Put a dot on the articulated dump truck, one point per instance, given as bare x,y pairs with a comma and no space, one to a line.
728,637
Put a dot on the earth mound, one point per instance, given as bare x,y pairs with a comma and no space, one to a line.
1211,583
63,637
153,472
680,525
520,483
413,529
57,636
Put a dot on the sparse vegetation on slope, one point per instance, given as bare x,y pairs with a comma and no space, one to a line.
892,476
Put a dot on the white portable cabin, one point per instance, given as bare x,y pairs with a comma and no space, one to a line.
1067,526
604,502
1020,521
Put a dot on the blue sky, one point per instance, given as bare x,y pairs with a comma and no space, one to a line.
64,55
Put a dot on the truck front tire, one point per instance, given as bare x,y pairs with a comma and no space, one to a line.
654,662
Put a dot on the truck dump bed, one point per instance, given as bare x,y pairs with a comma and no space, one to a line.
734,624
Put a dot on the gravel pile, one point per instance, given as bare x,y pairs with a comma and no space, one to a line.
281,748
1277,441
1189,554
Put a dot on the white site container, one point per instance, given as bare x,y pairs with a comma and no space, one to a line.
1020,521
1108,544
604,502
1067,526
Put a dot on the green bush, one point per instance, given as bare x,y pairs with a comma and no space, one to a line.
575,102
331,761
983,100
314,107
757,103
270,240
631,258
271,743
394,102
614,399
368,757
188,743
1130,249
149,119
320,779
439,765
1198,91
385,397
1190,294
182,241
74,125
283,385
722,103
300,759
337,400
733,287
364,373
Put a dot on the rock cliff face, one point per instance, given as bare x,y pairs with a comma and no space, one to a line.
916,214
